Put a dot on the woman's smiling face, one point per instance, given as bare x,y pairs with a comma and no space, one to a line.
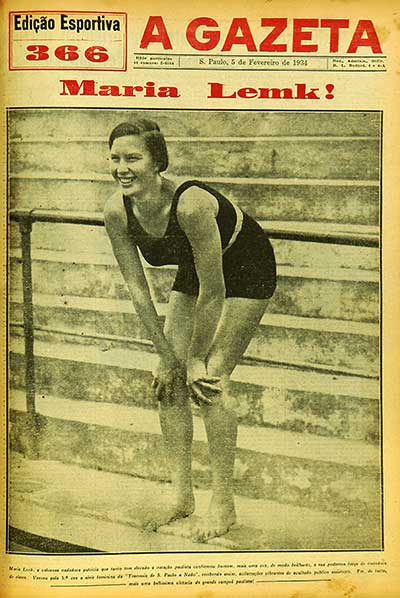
132,165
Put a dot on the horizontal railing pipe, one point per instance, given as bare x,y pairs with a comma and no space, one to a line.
59,216
96,219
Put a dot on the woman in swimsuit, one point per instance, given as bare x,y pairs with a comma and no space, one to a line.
226,273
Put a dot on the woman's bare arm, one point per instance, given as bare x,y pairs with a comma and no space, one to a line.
197,212
131,267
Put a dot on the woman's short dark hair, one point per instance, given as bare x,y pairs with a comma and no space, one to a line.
152,136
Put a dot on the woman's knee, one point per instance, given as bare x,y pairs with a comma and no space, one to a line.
217,365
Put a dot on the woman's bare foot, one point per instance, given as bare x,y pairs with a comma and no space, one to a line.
219,519
179,509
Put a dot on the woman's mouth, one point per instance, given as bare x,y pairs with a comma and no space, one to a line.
126,181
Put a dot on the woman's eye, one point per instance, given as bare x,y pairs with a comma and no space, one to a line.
128,159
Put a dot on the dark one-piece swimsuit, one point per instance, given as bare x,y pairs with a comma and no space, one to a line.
248,258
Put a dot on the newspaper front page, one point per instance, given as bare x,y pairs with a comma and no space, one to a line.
200,267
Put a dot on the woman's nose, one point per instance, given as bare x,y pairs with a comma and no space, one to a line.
122,166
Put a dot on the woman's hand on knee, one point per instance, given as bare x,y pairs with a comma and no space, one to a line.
202,386
168,380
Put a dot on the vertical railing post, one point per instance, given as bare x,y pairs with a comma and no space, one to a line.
25,226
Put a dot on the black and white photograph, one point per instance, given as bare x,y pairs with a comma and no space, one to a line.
194,330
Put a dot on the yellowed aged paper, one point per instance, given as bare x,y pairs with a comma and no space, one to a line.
290,111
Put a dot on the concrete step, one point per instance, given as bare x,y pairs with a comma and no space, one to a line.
331,474
304,157
351,347
294,399
85,239
106,511
26,123
346,201
332,293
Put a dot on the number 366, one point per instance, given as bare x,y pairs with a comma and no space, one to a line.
93,54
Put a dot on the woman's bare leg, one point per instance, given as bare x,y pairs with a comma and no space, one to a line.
176,416
239,321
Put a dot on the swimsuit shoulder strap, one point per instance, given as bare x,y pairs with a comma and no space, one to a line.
186,185
134,227
238,214
178,192
195,183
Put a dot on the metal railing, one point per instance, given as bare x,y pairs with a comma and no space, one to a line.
26,219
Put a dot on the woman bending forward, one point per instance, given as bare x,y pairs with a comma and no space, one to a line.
226,273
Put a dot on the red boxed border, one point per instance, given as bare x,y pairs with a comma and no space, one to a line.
38,67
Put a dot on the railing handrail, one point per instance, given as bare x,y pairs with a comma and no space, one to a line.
97,219
58,216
